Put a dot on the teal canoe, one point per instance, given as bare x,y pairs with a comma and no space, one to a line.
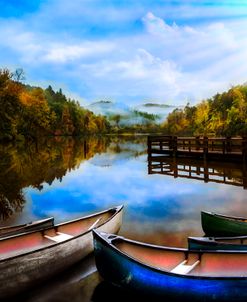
214,224
236,243
169,273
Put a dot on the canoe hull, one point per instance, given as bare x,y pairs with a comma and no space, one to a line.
24,271
210,245
214,225
122,271
25,228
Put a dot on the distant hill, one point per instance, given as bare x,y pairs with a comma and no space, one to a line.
139,114
161,110
127,115
158,105
109,108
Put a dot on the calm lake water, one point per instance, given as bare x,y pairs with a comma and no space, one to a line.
67,178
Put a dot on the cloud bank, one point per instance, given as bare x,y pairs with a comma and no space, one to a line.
174,52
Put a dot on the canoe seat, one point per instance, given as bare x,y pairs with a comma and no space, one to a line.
94,224
59,237
183,268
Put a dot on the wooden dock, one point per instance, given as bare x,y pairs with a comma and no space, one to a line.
229,173
219,148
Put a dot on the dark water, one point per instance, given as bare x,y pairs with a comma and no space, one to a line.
68,178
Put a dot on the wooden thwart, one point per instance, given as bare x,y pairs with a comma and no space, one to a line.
59,237
183,268
94,224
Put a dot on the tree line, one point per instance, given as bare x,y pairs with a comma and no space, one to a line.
27,111
32,112
224,114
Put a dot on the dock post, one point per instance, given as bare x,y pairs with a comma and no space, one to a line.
206,174
170,143
175,146
198,143
205,147
149,166
175,167
244,150
228,144
244,175
224,147
244,155
149,148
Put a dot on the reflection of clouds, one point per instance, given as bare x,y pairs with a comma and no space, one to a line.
104,160
152,202
118,153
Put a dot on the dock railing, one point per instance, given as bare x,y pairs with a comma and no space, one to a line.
217,147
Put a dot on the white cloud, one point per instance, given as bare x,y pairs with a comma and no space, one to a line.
163,60
203,54
157,26
62,53
141,73
184,37
37,48
142,66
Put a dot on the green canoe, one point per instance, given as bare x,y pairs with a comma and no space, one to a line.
214,224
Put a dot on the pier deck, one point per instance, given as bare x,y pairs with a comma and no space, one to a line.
219,148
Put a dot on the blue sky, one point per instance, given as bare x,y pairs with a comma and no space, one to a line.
128,51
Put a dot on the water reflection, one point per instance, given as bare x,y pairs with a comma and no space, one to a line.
75,284
208,171
34,165
105,291
46,163
69,178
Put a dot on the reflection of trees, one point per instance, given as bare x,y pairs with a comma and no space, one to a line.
9,206
133,145
34,164
24,165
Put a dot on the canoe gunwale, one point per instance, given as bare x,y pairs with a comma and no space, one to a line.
109,243
40,220
28,224
213,243
116,209
32,226
214,238
235,218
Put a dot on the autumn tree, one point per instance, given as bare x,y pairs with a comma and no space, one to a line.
37,118
223,114
10,106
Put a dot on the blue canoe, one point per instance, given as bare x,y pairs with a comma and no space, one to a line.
161,272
